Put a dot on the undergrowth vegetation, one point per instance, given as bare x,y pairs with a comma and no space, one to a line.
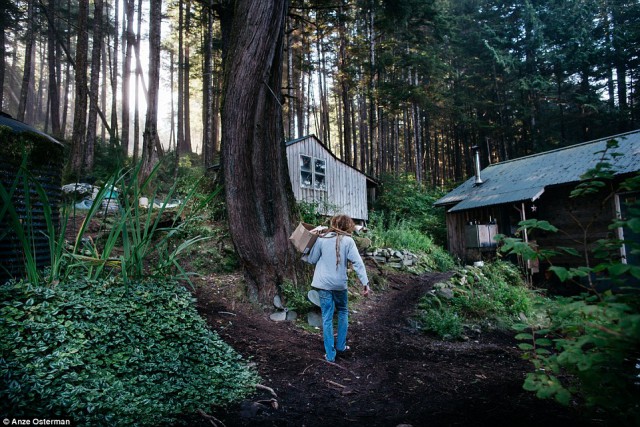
476,299
106,335
588,349
404,218
104,353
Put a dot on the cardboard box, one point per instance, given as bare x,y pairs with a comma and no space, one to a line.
304,237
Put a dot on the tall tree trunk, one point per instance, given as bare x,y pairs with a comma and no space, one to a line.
94,84
138,81
3,57
186,147
80,108
54,97
180,139
114,73
28,61
258,191
128,38
150,140
207,87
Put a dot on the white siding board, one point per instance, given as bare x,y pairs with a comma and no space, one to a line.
346,187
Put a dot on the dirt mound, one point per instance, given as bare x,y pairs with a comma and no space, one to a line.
393,375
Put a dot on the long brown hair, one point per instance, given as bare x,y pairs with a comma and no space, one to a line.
342,225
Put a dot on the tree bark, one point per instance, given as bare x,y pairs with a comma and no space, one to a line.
150,140
207,88
89,152
28,58
80,109
258,192
180,140
128,38
54,97
186,146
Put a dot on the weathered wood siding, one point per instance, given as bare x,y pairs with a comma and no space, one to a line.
346,187
581,222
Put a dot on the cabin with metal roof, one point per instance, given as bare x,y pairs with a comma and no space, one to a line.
319,177
538,186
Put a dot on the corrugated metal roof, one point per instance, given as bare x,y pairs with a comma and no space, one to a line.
527,177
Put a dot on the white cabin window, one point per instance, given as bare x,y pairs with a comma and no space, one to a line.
313,173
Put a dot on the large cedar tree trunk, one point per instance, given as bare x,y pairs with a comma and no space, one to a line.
258,191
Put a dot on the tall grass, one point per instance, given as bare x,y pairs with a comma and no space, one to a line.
392,232
134,236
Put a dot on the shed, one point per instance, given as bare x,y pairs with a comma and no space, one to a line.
538,186
318,176
30,173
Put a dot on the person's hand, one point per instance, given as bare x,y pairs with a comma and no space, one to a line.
366,290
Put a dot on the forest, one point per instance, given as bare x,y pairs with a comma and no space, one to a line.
390,86
159,285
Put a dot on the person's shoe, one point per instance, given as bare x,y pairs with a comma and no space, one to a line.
327,359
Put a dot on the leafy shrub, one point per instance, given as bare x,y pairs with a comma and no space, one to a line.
404,234
444,323
593,337
597,342
493,295
295,297
102,353
402,197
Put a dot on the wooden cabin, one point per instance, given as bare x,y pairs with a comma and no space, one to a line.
318,176
501,195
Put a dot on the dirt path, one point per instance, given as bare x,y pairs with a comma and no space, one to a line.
394,374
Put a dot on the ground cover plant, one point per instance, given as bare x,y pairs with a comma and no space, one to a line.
105,353
476,299
106,335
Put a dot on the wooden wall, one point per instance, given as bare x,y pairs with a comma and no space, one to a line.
346,187
581,221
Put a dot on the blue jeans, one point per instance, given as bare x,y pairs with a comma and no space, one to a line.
328,301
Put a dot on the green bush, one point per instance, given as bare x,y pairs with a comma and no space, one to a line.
492,296
596,341
102,353
295,297
444,323
402,197
405,234
588,347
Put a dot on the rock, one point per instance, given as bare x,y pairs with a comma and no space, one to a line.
291,315
277,302
314,297
314,319
447,293
278,316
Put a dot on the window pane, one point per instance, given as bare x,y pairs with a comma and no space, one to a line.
305,179
320,183
305,163
320,166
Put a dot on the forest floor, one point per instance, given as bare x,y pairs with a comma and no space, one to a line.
393,375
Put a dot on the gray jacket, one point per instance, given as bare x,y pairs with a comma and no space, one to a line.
327,274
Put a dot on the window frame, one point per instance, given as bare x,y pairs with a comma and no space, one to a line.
313,172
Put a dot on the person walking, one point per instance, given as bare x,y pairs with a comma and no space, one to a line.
330,254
